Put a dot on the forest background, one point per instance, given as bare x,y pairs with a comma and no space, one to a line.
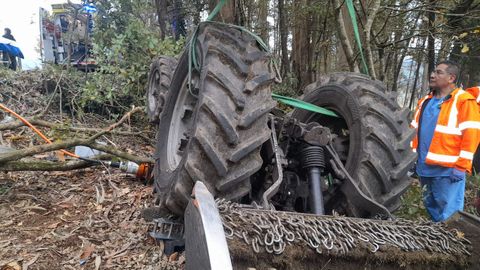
402,40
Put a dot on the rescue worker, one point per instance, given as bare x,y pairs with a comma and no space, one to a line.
447,122
6,55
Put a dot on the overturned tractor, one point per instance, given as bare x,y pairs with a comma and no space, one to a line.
293,189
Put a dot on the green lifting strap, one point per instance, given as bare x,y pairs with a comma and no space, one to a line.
192,60
304,105
351,11
217,9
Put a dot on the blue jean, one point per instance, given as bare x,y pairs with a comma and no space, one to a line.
442,196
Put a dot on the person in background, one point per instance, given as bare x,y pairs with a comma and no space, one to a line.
447,122
6,55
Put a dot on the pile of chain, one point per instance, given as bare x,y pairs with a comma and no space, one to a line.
273,231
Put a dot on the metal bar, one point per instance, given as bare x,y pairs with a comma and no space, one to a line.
353,192
205,243
316,196
273,189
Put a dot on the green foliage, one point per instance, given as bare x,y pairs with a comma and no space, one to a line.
4,188
471,189
125,41
412,203
287,87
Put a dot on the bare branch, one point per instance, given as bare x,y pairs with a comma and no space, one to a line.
18,154
42,123
115,152
44,165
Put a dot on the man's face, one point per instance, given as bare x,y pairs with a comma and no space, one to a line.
440,78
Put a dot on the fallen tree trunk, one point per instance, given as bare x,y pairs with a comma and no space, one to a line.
42,123
44,165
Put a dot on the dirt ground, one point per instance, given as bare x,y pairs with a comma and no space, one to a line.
86,219
83,219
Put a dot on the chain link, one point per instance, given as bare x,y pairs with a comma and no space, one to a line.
273,231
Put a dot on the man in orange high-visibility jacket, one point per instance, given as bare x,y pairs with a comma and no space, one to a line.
447,122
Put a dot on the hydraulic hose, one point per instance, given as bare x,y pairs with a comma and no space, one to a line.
26,122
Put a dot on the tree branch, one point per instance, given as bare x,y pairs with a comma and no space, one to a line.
42,123
37,149
44,165
118,153
18,154
342,35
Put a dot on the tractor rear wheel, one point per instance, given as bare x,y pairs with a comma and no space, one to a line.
213,126
372,138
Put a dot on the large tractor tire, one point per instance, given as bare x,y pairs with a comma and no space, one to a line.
159,78
476,162
212,129
373,137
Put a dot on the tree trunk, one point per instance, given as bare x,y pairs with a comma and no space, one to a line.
44,165
381,64
262,24
417,74
472,70
320,46
399,64
470,75
368,33
387,68
431,36
405,99
398,68
178,20
454,22
228,14
343,37
301,45
414,87
161,6
283,36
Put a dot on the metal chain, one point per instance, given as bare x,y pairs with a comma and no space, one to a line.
273,231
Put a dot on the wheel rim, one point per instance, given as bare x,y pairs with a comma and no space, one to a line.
180,126
154,91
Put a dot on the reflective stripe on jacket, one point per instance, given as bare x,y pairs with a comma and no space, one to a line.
457,132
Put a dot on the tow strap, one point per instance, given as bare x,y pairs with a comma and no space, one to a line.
351,11
300,104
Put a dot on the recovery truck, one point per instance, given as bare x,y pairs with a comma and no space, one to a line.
65,36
